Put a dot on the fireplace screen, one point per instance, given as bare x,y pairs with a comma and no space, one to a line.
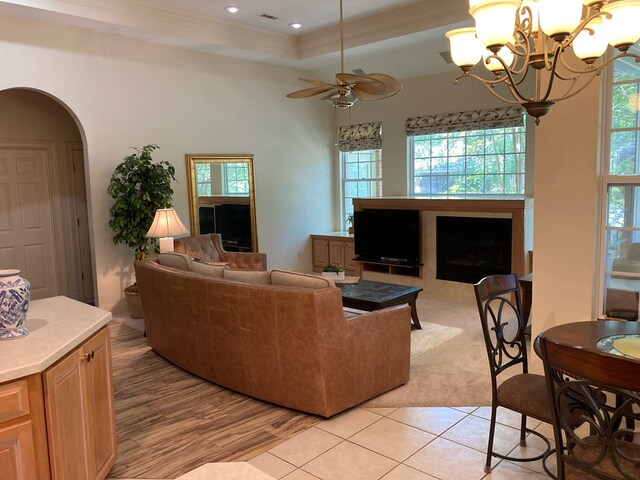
470,248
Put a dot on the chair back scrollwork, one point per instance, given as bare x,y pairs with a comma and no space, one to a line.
604,391
499,306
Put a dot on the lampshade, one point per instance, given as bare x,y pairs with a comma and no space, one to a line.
558,18
494,65
166,225
588,46
495,21
623,29
466,49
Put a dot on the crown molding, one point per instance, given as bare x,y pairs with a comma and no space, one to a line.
417,17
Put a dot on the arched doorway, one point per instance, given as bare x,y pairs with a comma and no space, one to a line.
44,228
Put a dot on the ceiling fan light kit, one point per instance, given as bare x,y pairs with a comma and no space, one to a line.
350,87
515,38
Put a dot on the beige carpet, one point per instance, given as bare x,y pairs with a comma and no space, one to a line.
453,373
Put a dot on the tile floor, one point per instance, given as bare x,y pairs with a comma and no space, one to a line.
405,444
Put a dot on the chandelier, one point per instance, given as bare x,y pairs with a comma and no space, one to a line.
558,41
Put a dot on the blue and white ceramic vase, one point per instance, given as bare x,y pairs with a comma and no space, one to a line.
14,303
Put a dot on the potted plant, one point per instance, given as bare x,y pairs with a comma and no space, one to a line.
139,187
334,271
349,223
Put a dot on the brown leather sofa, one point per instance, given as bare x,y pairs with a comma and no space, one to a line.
288,345
209,248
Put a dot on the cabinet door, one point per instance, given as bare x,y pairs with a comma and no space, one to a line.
320,250
336,252
17,456
349,255
99,390
68,426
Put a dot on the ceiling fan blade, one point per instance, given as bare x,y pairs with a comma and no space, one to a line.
392,86
310,92
314,81
359,71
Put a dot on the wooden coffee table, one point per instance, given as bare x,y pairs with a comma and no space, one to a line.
369,296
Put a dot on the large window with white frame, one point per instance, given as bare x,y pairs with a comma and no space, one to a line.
472,162
621,184
361,176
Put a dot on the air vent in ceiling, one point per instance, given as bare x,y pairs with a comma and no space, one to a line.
268,17
447,56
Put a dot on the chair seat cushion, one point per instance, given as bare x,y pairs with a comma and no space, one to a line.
526,393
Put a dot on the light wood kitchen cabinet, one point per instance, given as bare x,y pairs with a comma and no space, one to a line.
80,412
23,450
333,249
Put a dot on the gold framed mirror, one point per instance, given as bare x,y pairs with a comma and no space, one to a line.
222,199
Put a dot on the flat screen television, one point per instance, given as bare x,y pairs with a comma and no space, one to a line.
233,223
387,236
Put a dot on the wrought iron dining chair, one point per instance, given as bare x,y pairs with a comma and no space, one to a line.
503,327
604,390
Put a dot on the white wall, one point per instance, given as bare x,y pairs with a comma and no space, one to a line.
127,93
566,207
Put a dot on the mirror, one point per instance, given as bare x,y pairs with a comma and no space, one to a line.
222,199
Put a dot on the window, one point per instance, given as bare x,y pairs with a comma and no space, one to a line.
621,259
361,176
361,161
234,179
472,162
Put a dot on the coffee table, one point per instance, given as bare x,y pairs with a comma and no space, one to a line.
369,296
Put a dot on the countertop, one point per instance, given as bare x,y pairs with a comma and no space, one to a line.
56,326
342,234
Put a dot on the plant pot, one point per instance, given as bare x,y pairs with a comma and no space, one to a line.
15,294
334,275
350,231
133,301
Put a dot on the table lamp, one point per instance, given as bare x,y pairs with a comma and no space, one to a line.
166,225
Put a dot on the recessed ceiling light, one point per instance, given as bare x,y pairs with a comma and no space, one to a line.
232,9
295,25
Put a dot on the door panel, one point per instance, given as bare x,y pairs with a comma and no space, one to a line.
17,457
26,232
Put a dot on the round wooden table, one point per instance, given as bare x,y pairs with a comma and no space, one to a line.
590,335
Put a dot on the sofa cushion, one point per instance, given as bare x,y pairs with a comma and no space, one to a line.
214,271
175,260
256,277
296,279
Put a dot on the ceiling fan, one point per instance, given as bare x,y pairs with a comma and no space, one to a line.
350,87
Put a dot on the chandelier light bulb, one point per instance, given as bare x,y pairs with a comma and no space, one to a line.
466,49
495,21
589,46
558,18
494,64
623,29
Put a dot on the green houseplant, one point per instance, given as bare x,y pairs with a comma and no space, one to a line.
333,270
349,222
138,187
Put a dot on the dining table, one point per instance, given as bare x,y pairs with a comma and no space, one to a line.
599,336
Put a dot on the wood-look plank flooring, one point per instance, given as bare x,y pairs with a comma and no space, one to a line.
169,422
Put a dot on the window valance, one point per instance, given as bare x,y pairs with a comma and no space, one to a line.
501,117
365,136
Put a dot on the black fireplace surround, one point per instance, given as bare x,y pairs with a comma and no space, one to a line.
470,248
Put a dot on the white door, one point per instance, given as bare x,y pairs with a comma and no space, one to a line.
26,233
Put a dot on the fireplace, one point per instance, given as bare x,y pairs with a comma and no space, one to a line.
470,248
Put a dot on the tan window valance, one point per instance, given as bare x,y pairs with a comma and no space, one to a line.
365,136
501,117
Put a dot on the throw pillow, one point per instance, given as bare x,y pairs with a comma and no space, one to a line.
256,277
296,279
175,260
208,270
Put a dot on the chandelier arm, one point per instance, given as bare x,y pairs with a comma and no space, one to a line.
509,79
570,94
488,84
553,75
585,21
